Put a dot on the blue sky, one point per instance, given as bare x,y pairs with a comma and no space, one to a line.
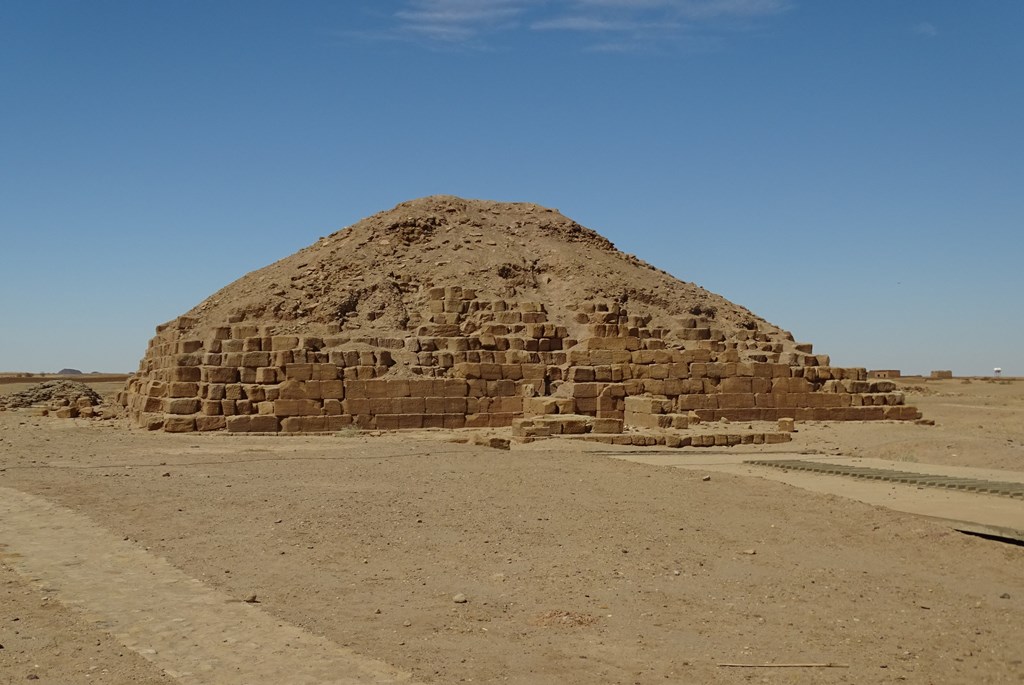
851,171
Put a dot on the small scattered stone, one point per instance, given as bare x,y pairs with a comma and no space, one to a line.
750,551
251,599
1005,595
706,478
460,598
166,474
407,623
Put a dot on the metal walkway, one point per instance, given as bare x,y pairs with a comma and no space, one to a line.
992,487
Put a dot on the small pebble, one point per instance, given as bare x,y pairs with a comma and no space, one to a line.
706,478
460,598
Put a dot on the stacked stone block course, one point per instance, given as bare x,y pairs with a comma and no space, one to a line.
470,360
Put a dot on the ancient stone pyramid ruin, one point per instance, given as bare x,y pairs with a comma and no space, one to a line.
452,313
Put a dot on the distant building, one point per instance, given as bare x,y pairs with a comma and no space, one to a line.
884,373
942,374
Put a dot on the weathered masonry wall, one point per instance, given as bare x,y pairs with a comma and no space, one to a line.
473,362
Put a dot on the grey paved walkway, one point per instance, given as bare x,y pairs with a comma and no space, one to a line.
968,511
991,487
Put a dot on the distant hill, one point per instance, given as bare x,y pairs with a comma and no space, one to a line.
69,372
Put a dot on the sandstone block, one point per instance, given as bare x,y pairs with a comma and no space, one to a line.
181,405
335,423
382,405
298,372
791,385
219,374
454,421
735,400
332,389
293,390
680,421
297,408
648,405
283,342
210,408
179,424
410,405
607,426
255,359
455,405
266,374
186,374
433,420
433,405
356,406
422,388
454,388
410,421
210,423
736,384
649,421
253,424
183,390
477,421
304,424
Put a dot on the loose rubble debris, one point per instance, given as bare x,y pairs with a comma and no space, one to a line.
63,399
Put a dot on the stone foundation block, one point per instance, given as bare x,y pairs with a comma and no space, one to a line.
179,424
182,406
297,408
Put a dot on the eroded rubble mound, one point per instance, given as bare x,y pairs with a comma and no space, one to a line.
53,394
451,313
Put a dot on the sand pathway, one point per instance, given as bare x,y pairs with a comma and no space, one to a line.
193,633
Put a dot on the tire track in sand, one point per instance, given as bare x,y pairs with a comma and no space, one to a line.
192,632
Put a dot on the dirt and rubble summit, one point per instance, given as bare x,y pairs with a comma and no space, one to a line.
376,273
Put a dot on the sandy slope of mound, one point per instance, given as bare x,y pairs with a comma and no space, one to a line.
375,273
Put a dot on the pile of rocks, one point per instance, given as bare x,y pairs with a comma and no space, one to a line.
65,399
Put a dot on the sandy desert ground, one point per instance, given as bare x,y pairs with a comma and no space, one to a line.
574,567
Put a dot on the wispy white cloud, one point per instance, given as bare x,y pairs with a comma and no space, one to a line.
618,25
698,9
925,28
459,20
579,22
